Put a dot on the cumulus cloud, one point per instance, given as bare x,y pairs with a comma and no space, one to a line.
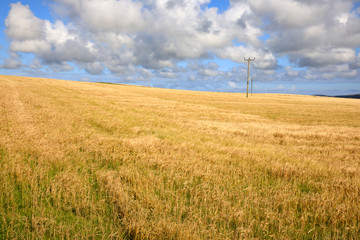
339,71
323,57
53,43
70,50
30,46
61,67
12,62
167,74
333,72
263,59
21,24
206,71
104,16
356,64
94,68
232,84
132,37
291,72
312,33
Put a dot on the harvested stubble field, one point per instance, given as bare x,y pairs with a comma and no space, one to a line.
105,161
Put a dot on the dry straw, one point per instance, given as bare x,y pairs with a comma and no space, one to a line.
90,160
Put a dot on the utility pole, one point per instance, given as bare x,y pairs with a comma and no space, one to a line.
248,60
251,85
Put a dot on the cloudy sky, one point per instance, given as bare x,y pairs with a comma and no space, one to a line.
300,46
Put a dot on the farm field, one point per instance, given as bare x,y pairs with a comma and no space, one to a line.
106,161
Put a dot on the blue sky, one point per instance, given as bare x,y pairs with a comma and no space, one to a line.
300,47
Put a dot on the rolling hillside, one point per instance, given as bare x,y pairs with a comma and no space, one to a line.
105,161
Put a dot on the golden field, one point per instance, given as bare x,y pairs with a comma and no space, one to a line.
90,160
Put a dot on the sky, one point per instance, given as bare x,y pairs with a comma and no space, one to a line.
299,46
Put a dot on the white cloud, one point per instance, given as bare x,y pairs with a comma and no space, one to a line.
129,37
309,75
341,71
58,33
168,74
21,24
94,68
280,87
12,62
263,59
210,72
287,13
61,67
232,84
343,18
106,16
291,72
30,46
312,33
36,64
356,64
330,56
53,43
154,34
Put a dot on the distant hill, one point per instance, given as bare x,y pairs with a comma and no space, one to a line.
354,96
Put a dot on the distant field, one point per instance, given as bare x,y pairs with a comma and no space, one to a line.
105,161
